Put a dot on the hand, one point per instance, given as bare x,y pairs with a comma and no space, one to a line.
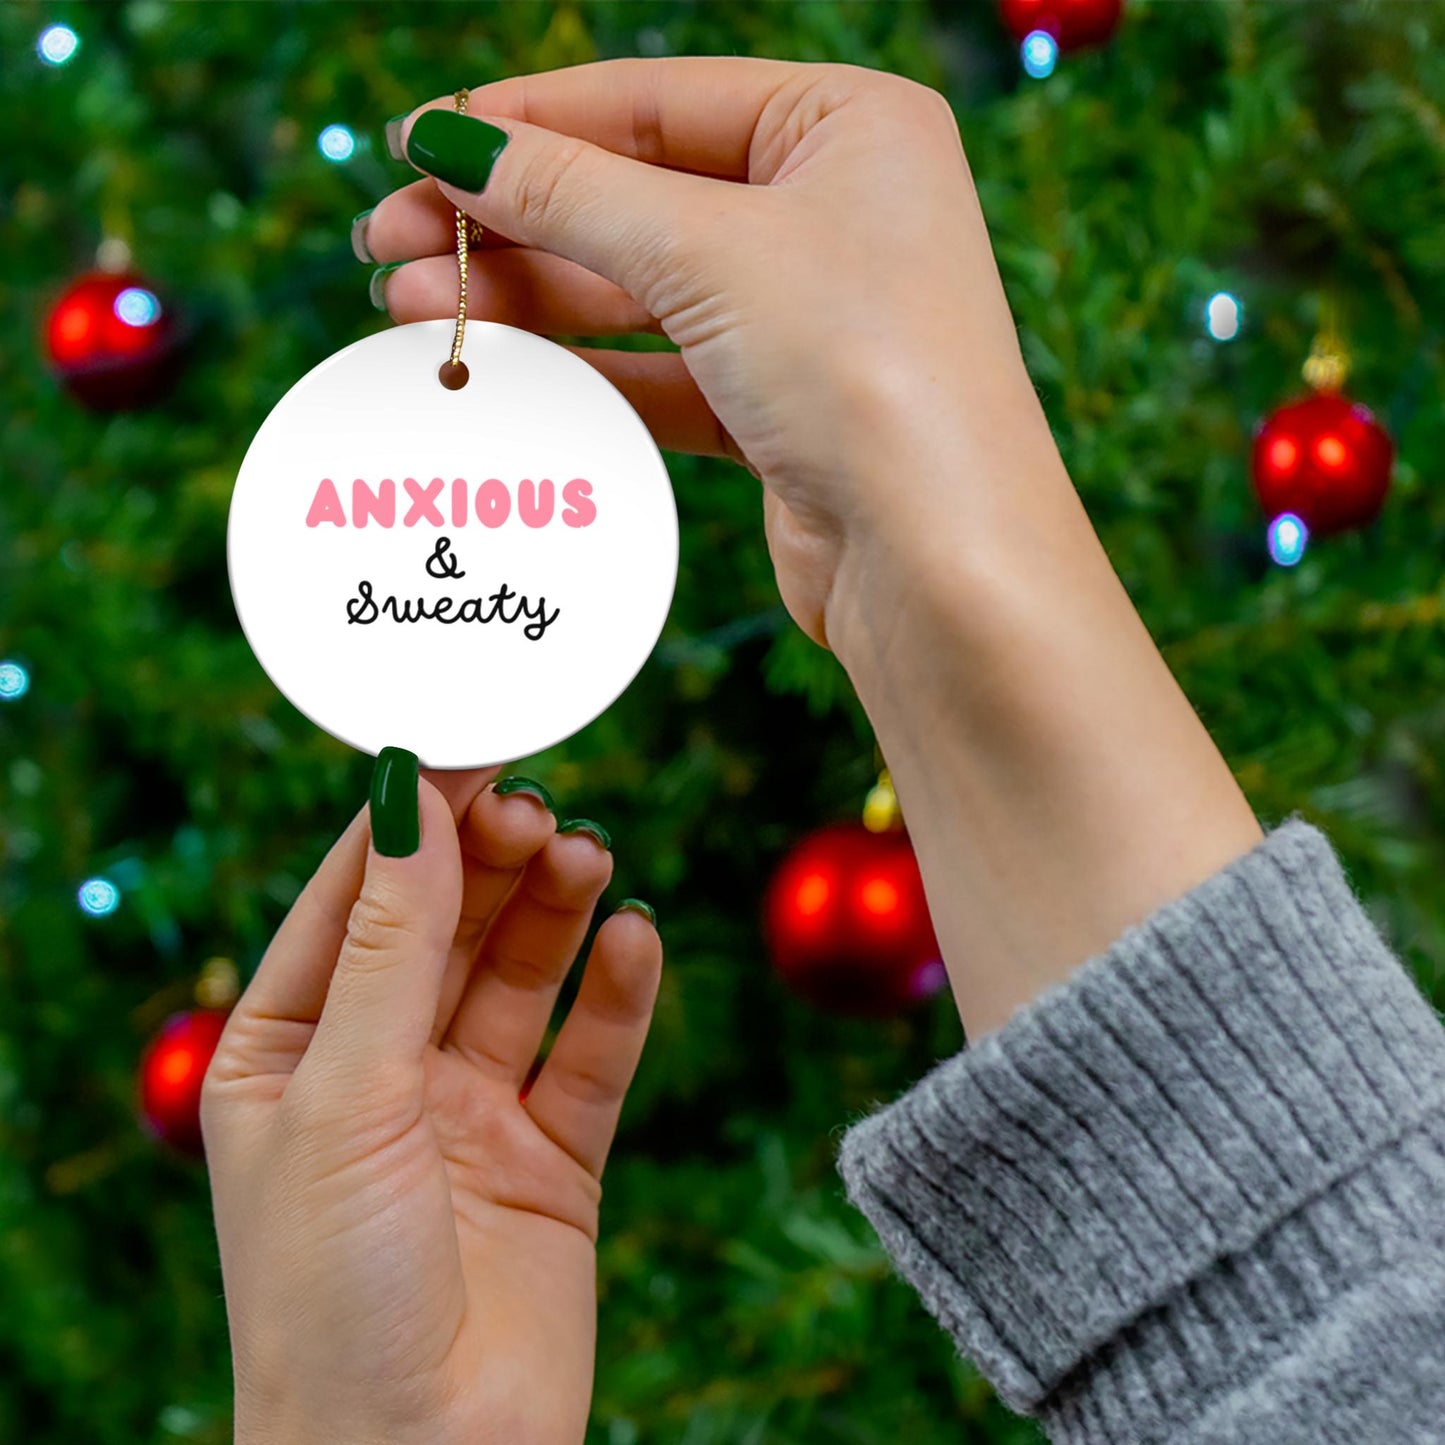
823,310
810,238
407,1245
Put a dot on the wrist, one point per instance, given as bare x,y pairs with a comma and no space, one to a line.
1057,784
278,1417
958,503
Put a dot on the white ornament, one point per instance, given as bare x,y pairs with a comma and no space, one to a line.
472,574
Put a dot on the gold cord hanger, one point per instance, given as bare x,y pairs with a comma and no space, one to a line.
453,372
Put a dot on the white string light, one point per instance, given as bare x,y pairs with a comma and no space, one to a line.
1223,316
336,143
14,681
57,44
98,897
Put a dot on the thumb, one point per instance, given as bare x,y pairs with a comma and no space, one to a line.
633,223
382,1000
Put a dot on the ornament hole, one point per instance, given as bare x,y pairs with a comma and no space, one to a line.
453,375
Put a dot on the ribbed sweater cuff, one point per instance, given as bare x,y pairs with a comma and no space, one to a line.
1171,1157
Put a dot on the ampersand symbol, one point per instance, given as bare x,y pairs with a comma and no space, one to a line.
445,566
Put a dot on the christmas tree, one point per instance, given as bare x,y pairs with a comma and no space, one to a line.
1179,214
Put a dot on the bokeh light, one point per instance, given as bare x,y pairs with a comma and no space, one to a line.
1040,53
1223,316
879,897
14,681
57,44
812,896
930,977
1288,536
98,897
336,143
138,307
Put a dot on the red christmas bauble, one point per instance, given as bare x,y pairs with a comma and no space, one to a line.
1324,458
171,1072
111,341
1072,23
848,925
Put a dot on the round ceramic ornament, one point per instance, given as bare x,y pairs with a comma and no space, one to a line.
472,574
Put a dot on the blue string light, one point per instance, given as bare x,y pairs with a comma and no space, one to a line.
57,44
98,897
14,681
336,143
1039,53
138,307
1223,316
1288,536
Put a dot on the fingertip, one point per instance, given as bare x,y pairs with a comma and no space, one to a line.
628,953
395,133
629,939
359,247
633,928
395,814
398,128
579,860
587,828
636,905
506,829
409,815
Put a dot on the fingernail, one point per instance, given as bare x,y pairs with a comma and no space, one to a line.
393,137
359,248
455,148
376,288
636,905
585,825
532,789
395,811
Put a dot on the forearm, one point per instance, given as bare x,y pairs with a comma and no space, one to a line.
1057,784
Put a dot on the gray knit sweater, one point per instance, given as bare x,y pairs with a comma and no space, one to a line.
1197,1192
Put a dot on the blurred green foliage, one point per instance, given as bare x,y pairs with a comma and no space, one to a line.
1284,152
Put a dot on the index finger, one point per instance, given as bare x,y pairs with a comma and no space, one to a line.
687,113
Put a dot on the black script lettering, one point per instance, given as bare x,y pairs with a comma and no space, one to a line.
365,609
361,608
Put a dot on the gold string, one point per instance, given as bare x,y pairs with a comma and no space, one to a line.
453,373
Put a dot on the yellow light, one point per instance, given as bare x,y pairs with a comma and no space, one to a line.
880,810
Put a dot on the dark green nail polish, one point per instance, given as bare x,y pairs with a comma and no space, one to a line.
586,825
636,905
455,148
376,288
359,248
532,788
393,137
395,812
